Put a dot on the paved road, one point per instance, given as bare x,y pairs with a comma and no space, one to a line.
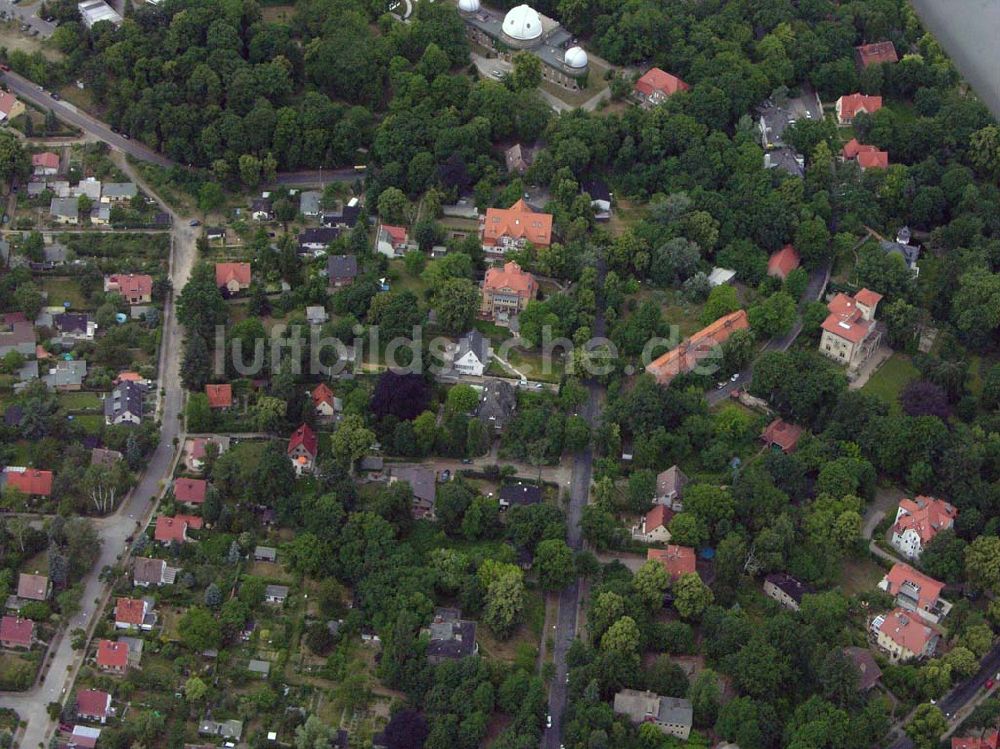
31,706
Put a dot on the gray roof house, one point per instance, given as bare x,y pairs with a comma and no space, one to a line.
316,239
66,375
497,404
65,210
341,270
276,593
124,405
115,192
16,334
519,495
786,160
261,668
265,554
472,355
670,488
309,202
227,729
451,637
671,715
910,253
422,481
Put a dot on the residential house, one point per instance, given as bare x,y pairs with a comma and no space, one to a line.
850,332
851,105
903,636
787,160
75,326
423,482
30,481
672,715
33,587
45,164
134,646
316,314
655,86
124,405
134,613
341,270
345,218
676,560
92,11
170,529
450,636
276,593
915,591
654,526
783,262
703,344
134,288
262,209
877,53
503,229
112,656
315,241
309,201
101,456
519,495
785,589
391,240
215,233
873,159
518,158
782,435
93,704
85,737
100,214
472,355
497,403
190,491
155,572
324,401
506,292
259,668
66,376
600,198
232,277
302,449
10,107
16,334
720,276
989,740
909,253
16,632
65,210
670,488
918,521
220,395
265,554
90,187
227,729
118,192
868,671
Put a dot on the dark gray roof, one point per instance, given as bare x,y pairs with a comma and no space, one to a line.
909,252
675,710
450,635
420,479
13,415
261,204
786,160
71,322
497,403
475,342
323,235
126,397
342,266
788,585
521,494
597,189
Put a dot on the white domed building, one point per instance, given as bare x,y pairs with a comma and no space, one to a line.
524,28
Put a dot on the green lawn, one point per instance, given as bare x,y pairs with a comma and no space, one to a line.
80,401
890,380
61,290
90,423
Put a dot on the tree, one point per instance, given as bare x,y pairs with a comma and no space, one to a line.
351,441
963,662
14,160
691,596
554,564
314,734
210,197
926,726
704,696
721,301
456,302
462,399
504,585
213,596
982,563
621,637
651,582
576,435
195,689
199,629
774,316
393,207
984,151
527,72
407,729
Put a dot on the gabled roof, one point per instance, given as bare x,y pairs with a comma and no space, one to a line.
903,577
30,481
7,102
511,277
112,654
130,611
100,456
846,320
71,322
659,517
851,104
17,630
322,394
659,80
46,160
148,571
783,262
476,343
32,587
175,529
219,396
779,432
685,357
677,560
93,702
670,481
304,437
876,53
852,148
868,671
788,585
226,272
925,516
341,266
191,491
126,397
420,478
520,221
132,284
908,630
873,159
397,234
521,494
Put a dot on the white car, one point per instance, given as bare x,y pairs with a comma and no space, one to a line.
498,74
548,721
735,377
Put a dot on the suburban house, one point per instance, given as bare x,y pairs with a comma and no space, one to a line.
707,341
215,233
909,253
316,314
327,405
259,668
506,292
261,209
783,262
903,636
233,277
66,376
16,632
197,450
118,192
851,105
670,488
782,435
10,107
302,449
868,671
135,288
391,240
170,529
92,704
451,637
472,354
654,527
309,201
75,326
866,157
423,483
518,158
16,334
341,270
600,198
315,240
655,86
677,560
915,591
497,404
134,613
877,53
787,160
265,554
124,405
147,572
502,229
45,164
30,481
785,589
345,218
226,729
65,210
190,491
850,332
672,715
112,656
91,187
219,396
33,587
519,495
276,593
918,521
989,740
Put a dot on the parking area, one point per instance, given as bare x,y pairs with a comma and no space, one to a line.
26,15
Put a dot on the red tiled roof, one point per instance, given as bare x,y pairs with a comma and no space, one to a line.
677,560
873,159
846,320
511,277
175,528
519,221
989,741
929,588
31,481
18,631
112,654
219,396
128,377
925,516
32,587
659,517
852,148
132,284
7,102
656,79
46,160
396,233
685,357
322,394
305,437
868,297
877,52
851,104
130,611
783,262
226,272
779,432
92,702
191,491
908,630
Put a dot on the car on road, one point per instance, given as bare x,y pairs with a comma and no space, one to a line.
125,136
989,684
56,96
548,721
735,377
194,222
498,74
720,385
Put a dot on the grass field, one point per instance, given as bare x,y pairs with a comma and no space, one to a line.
90,423
80,401
857,575
890,380
61,290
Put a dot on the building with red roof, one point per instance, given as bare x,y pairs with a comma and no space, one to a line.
915,591
918,521
391,240
782,435
33,587
503,229
654,527
877,53
701,345
16,632
233,277
134,288
904,636
112,656
45,164
175,529
10,106
30,481
850,333
219,396
324,401
655,86
676,560
851,105
506,292
93,704
783,262
303,448
873,160
134,613
989,740
190,491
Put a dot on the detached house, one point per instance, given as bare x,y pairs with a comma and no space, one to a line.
262,209
506,292
16,632
654,526
33,587
134,288
74,326
904,636
276,594
677,560
915,591
655,86
303,448
391,240
341,270
502,229
877,53
324,401
134,613
783,262
65,210
472,354
16,334
785,589
497,404
670,488
151,572
92,704
219,396
918,521
190,491
850,106
124,405
170,529
45,164
118,192
519,495
672,715
112,656
10,107
30,481
451,637
781,435
232,277
422,481
687,356
316,240
850,332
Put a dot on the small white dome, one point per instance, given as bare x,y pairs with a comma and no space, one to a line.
522,23
468,6
575,57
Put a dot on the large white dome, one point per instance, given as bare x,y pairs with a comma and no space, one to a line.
522,23
468,6
575,57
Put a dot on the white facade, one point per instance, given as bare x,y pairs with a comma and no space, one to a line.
469,364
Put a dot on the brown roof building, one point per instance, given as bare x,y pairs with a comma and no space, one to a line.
691,352
33,587
877,53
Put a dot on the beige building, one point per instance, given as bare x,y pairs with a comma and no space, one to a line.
904,636
671,715
506,292
850,333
